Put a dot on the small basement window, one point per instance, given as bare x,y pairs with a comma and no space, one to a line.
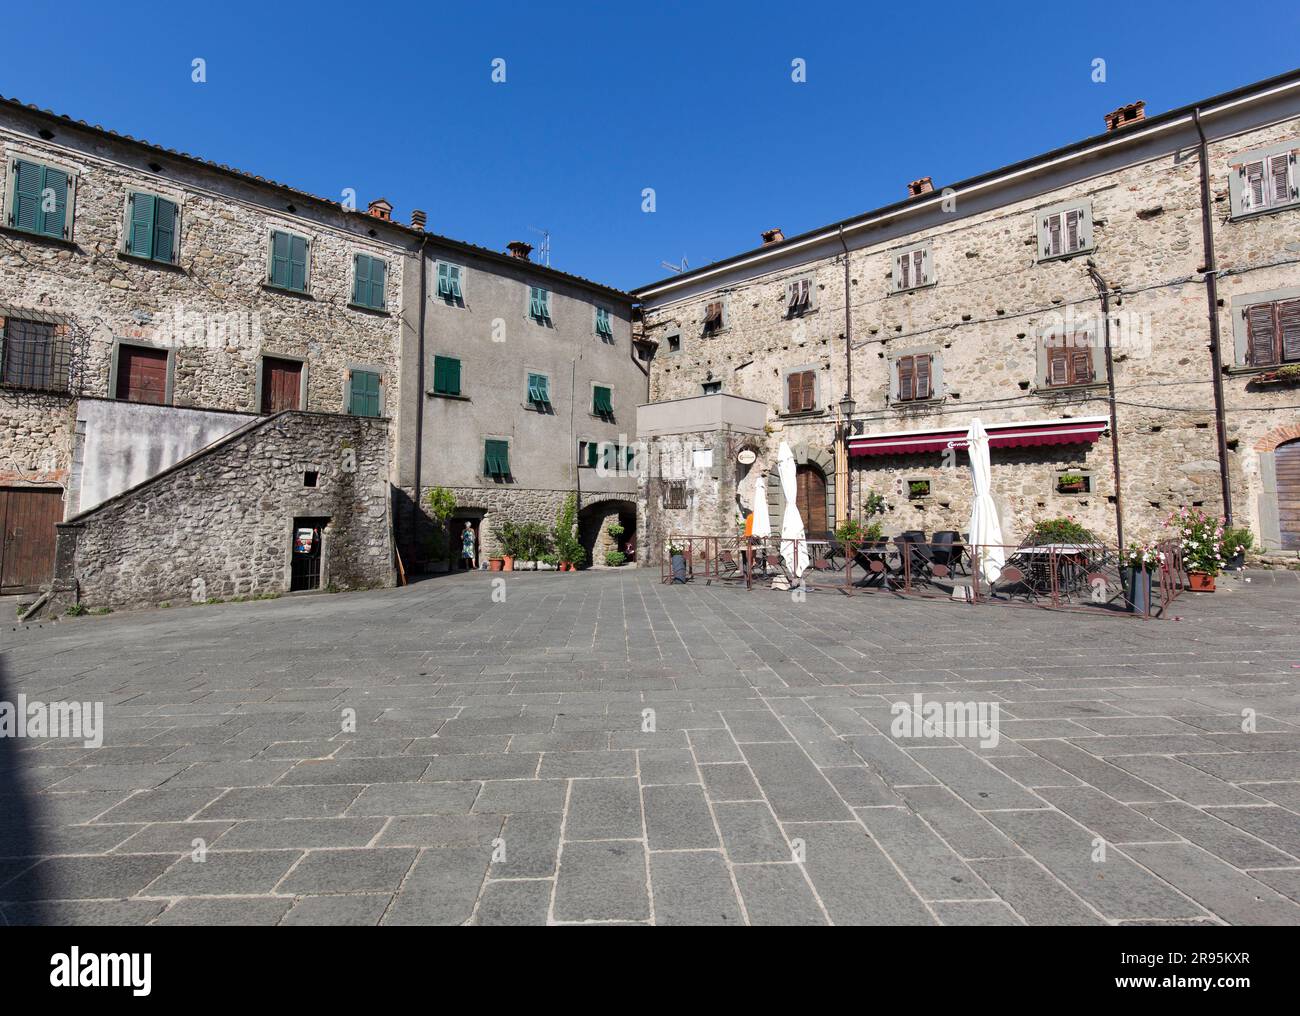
310,477
1073,482
917,489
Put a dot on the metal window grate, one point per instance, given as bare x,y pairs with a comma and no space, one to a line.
674,493
35,357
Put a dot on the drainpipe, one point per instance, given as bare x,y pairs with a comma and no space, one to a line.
1104,293
1212,302
844,504
419,394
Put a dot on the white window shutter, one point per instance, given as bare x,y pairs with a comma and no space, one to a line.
902,274
1253,194
927,265
1280,178
1085,227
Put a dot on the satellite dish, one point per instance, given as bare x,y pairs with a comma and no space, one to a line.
746,457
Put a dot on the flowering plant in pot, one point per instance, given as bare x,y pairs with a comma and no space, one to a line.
1138,561
1201,538
1236,542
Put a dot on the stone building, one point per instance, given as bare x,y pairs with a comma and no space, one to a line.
976,300
135,273
528,393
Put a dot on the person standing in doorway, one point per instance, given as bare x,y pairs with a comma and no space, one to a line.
467,547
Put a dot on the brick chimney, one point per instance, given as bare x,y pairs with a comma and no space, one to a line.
418,219
1126,115
772,236
921,186
519,249
380,209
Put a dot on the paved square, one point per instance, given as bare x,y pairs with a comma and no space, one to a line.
430,755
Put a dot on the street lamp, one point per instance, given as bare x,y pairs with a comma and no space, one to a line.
1103,292
847,405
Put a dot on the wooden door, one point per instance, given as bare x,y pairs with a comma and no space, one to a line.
27,521
1286,460
281,384
142,374
811,486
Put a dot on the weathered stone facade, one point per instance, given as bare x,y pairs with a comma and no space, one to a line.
989,300
219,524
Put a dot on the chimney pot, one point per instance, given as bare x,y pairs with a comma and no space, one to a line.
418,219
1125,115
519,249
922,186
380,209
772,236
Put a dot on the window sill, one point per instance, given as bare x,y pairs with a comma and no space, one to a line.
929,403
1240,370
798,315
301,294
136,259
804,414
541,409
376,311
55,241
1069,389
1043,260
913,289
1257,213
449,397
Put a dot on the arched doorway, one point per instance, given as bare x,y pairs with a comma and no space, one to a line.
1286,466
594,523
811,498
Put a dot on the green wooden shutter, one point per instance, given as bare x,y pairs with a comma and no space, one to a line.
454,276
602,402
496,458
139,240
360,280
365,394
446,375
378,270
53,222
280,249
164,230
453,376
298,264
26,212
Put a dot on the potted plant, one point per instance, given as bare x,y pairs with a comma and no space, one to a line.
1201,537
1139,560
508,540
441,503
615,530
677,557
614,558
532,542
567,547
1062,529
1287,375
1070,483
1236,542
849,531
917,489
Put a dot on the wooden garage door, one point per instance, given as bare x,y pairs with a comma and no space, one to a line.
1287,462
281,384
27,520
142,374
812,500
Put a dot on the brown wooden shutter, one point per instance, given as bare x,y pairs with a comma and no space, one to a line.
1054,235
904,271
1288,327
1080,364
793,392
1261,335
918,268
809,391
922,364
1058,364
906,378
1071,231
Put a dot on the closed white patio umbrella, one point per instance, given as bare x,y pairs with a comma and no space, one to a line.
795,554
985,530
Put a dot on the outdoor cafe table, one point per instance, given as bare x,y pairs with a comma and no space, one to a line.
1073,562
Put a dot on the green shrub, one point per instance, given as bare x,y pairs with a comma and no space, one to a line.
1062,529
567,546
614,558
76,610
1237,539
849,531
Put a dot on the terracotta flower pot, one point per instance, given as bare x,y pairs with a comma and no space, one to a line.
509,563
494,564
1200,582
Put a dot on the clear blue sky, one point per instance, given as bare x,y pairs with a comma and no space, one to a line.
602,100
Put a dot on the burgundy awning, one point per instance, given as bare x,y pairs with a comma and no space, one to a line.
1001,435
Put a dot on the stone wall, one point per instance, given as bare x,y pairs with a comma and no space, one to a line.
990,303
218,525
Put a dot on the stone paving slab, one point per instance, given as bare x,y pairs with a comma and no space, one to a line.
604,749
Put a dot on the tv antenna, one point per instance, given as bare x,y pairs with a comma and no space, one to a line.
676,268
545,252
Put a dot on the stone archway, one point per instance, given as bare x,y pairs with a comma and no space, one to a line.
1278,508
594,521
807,458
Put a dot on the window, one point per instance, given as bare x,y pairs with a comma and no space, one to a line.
1064,230
1264,180
673,493
587,452
798,297
368,281
282,384
363,393
674,343
152,228
711,387
539,305
918,489
32,356
603,326
1272,333
496,458
446,375
801,391
288,268
310,477
449,282
912,269
141,374
914,376
40,198
701,458
539,391
713,317
1073,481
1069,361
602,402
